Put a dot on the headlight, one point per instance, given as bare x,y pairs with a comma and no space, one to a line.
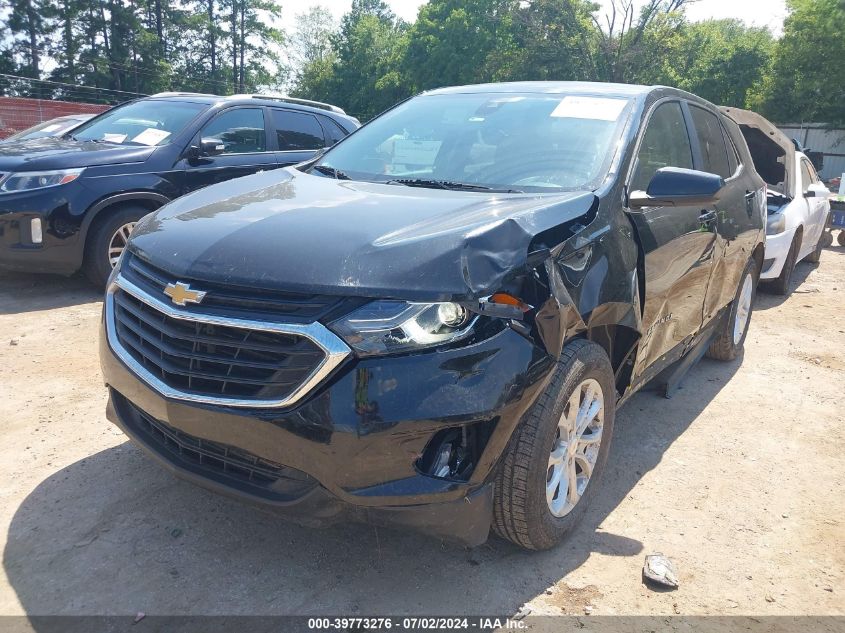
775,223
27,180
389,327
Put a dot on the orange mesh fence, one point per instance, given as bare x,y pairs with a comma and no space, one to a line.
18,114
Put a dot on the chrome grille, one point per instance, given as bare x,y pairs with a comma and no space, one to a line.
233,300
215,359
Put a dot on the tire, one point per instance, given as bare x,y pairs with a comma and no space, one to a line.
730,337
827,239
816,255
97,265
840,239
522,513
780,286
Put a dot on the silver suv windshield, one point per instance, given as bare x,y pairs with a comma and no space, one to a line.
148,122
510,142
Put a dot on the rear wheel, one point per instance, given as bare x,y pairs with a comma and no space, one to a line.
730,338
552,465
816,255
106,242
840,239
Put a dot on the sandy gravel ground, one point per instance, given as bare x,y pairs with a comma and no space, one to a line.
740,479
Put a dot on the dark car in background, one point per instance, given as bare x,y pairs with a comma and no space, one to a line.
70,202
54,127
432,324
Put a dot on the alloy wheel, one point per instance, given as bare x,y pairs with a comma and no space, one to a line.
743,308
118,242
576,448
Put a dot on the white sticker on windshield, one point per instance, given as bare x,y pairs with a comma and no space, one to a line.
151,136
415,152
50,128
595,108
114,138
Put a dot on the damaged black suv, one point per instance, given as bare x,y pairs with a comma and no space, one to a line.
432,324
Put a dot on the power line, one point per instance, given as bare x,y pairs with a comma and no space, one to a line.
74,86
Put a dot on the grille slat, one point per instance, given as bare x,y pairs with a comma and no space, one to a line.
214,360
193,355
229,299
237,466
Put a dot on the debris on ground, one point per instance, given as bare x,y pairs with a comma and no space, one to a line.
769,598
660,570
140,616
523,611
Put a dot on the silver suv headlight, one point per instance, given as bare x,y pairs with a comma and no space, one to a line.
390,327
28,180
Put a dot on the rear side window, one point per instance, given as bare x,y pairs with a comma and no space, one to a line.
665,144
334,132
712,142
241,130
298,131
806,175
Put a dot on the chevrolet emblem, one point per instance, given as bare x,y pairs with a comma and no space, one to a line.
181,294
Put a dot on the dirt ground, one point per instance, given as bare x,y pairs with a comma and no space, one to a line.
740,479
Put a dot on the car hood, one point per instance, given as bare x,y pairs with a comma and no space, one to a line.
286,230
64,153
771,150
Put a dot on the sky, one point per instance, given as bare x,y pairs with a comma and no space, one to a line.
753,12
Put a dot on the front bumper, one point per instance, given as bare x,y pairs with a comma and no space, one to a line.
61,249
358,437
777,250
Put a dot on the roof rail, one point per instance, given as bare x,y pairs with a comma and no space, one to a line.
286,99
182,94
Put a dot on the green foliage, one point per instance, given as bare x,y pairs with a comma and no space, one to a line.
372,59
806,81
719,60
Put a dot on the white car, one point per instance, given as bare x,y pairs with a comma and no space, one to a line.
798,203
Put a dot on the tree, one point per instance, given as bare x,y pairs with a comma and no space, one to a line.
30,22
452,42
806,80
312,54
553,40
621,36
720,60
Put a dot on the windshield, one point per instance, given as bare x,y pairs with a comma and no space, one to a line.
523,142
56,127
149,122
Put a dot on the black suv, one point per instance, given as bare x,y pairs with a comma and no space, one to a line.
70,202
431,325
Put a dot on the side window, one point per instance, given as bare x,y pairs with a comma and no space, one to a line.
240,129
733,154
665,144
712,142
298,130
806,176
334,132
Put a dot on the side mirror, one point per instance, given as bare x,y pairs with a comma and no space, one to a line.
211,147
817,190
673,186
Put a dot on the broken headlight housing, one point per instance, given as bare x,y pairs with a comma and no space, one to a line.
775,223
392,327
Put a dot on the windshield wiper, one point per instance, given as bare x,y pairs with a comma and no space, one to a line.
447,184
331,171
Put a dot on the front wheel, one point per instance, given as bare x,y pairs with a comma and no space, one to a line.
106,241
730,337
553,462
